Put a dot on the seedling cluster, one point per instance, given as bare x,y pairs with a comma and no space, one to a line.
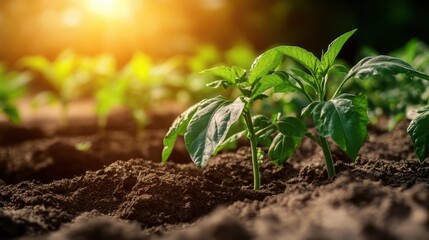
342,117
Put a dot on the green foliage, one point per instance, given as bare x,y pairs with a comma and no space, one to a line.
207,125
395,95
419,132
12,87
341,117
64,79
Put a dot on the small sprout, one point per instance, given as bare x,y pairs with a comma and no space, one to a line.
83,146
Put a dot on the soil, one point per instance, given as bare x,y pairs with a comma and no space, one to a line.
118,189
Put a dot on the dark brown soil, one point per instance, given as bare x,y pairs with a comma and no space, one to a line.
118,189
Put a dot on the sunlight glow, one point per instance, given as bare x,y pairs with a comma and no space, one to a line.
106,8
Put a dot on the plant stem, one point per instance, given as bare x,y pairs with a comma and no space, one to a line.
328,157
253,145
338,91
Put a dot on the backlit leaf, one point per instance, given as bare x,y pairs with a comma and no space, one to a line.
264,64
302,56
383,65
269,81
177,128
334,48
209,127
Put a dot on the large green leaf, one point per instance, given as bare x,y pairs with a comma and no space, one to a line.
178,128
291,126
344,119
269,81
265,63
209,127
334,48
383,65
291,132
419,133
302,56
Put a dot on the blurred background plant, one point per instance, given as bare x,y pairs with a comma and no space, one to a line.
12,87
396,96
134,54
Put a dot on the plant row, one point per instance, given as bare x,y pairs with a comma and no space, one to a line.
342,116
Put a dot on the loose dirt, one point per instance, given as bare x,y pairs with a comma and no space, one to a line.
118,189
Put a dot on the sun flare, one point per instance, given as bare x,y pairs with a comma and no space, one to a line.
107,8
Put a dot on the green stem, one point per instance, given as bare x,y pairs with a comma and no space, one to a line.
253,145
328,157
338,91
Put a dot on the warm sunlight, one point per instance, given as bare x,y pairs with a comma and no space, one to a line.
107,8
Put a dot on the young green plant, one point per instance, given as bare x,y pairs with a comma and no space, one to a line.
211,124
342,117
63,80
12,87
419,133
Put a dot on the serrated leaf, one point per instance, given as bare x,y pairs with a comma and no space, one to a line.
383,65
265,63
269,81
178,128
334,48
344,119
419,133
302,56
209,127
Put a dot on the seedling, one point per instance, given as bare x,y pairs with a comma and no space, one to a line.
64,82
401,94
12,87
208,126
342,117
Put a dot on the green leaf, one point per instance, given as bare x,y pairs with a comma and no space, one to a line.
269,81
263,129
10,111
231,142
383,65
226,73
419,133
221,71
209,127
265,63
178,128
291,126
302,56
217,83
334,48
291,132
282,148
344,119
303,77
